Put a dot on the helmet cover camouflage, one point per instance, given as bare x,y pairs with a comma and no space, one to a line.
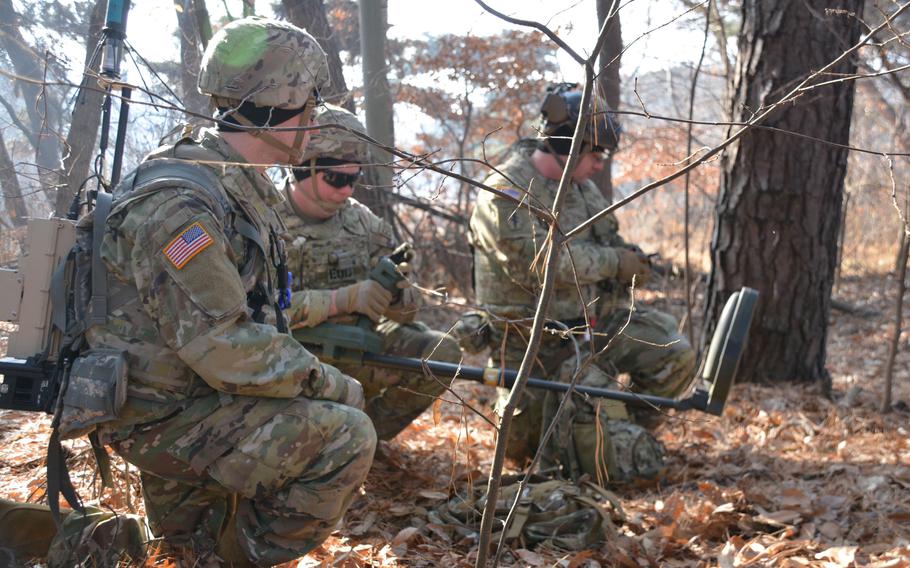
266,62
559,114
331,142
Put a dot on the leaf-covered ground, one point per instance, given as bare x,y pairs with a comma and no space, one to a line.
787,477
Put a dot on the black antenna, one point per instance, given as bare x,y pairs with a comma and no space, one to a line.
113,39
111,46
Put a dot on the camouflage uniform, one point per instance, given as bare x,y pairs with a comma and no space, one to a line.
248,447
341,250
506,241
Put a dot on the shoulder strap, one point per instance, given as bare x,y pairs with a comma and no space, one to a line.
161,173
98,313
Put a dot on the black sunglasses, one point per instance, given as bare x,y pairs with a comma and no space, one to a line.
339,180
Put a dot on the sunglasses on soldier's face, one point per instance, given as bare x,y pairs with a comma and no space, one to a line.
340,180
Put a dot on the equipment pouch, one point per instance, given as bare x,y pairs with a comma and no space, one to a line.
95,392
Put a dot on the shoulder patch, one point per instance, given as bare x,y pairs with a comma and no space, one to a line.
193,240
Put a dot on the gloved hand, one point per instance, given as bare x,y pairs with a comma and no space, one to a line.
405,269
632,263
404,309
366,297
331,384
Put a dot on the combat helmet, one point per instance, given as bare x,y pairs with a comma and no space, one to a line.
261,72
337,143
330,146
559,114
265,62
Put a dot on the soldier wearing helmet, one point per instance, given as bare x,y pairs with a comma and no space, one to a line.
250,450
334,243
601,438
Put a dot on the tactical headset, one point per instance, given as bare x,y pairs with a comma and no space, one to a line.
560,111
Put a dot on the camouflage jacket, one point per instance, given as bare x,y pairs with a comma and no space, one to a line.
333,253
188,329
507,239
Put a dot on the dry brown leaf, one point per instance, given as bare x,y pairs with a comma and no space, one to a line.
831,530
433,495
401,510
365,525
727,556
579,558
840,555
795,562
781,519
405,535
530,558
725,508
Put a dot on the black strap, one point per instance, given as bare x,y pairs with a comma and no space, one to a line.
102,459
58,293
98,315
58,477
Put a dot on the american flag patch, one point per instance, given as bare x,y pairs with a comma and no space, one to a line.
188,244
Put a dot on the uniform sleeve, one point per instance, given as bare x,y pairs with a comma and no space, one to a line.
381,237
309,308
187,279
515,236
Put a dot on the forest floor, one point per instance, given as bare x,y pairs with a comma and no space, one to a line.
787,477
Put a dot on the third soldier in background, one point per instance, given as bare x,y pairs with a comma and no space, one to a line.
602,438
335,241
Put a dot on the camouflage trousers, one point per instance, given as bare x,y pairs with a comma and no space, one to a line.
248,479
395,398
599,437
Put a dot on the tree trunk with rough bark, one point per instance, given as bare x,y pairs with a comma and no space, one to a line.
42,107
85,121
777,216
608,83
191,48
13,200
377,103
310,15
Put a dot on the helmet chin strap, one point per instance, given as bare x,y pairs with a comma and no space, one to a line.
311,190
294,152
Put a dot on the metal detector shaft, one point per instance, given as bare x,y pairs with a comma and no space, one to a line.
506,378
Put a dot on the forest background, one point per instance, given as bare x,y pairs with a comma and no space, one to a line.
465,85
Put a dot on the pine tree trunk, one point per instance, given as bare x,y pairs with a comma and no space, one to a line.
42,107
85,121
191,56
377,103
310,15
609,83
777,216
13,200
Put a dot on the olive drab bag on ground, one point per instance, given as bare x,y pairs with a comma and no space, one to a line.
570,516
100,538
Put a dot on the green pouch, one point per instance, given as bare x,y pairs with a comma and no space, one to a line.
95,392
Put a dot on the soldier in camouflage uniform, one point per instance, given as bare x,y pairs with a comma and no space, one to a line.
250,450
598,437
335,241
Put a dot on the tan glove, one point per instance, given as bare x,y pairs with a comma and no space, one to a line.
404,310
632,263
366,297
331,384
